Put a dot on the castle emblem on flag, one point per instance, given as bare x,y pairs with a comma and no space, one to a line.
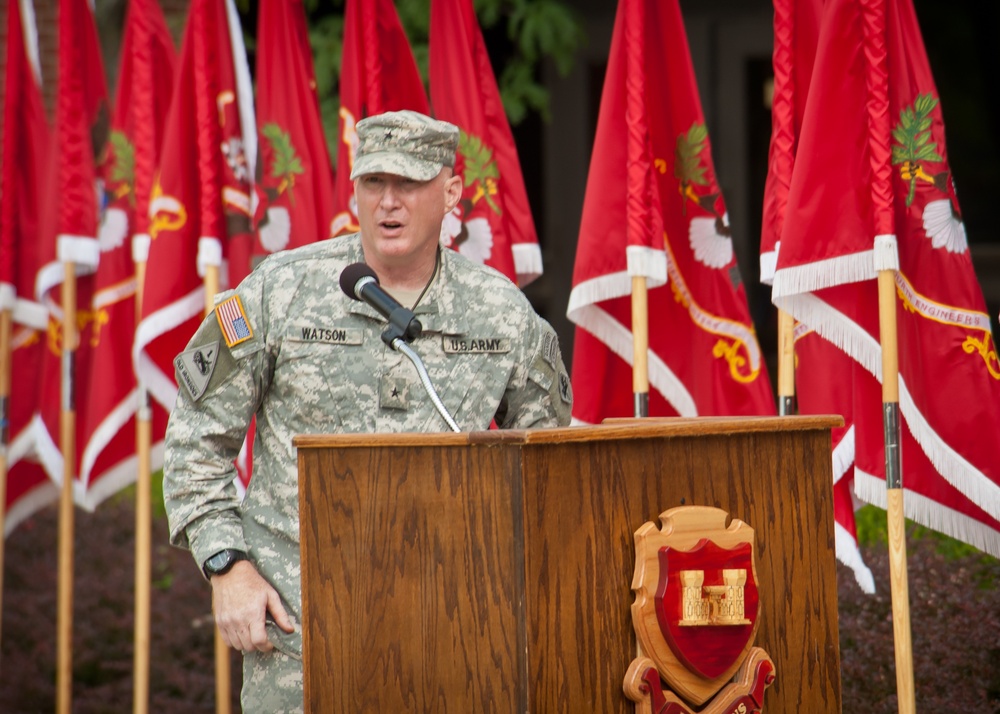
233,321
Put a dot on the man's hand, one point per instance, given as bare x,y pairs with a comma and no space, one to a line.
241,600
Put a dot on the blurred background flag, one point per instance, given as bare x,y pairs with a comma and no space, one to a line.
492,223
823,376
377,74
26,142
704,358
200,205
109,390
69,227
293,191
835,234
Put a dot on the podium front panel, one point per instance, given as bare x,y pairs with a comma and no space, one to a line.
492,571
412,580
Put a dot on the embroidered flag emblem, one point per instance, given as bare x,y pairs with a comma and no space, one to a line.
233,321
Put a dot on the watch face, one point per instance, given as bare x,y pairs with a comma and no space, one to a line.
218,561
221,562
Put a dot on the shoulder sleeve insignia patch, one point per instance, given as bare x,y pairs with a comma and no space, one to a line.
233,321
565,389
550,349
195,366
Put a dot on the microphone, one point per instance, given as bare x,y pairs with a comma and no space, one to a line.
359,282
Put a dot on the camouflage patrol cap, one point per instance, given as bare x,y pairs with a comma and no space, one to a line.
406,144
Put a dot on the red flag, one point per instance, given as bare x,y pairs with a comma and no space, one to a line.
294,186
25,144
70,219
704,358
109,392
377,74
824,382
492,224
82,116
824,375
200,205
891,202
294,183
796,30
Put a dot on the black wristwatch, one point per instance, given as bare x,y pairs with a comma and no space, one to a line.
221,562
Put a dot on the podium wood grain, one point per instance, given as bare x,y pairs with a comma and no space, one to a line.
490,572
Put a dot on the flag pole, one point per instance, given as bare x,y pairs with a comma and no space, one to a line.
636,205
886,259
6,327
143,529
786,364
67,438
640,346
898,578
222,669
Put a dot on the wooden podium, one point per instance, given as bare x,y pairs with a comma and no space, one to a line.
491,571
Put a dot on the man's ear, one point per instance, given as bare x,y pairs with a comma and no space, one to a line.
452,192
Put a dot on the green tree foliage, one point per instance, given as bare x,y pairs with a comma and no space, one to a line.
536,30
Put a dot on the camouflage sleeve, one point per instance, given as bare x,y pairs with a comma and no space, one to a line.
539,394
220,376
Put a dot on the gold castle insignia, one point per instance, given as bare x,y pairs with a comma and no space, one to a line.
713,605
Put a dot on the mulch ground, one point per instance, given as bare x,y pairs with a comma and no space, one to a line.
955,602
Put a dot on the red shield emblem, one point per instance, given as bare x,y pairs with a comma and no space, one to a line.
706,604
696,608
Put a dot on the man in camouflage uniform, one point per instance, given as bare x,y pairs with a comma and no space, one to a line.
288,347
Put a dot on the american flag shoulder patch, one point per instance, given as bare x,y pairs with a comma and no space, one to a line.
233,321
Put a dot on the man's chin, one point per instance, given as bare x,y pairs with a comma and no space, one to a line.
393,248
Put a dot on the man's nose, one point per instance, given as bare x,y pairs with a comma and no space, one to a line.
390,196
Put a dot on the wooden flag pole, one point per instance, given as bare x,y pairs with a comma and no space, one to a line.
894,494
223,676
6,328
67,438
640,346
786,364
886,263
143,531
640,362
143,558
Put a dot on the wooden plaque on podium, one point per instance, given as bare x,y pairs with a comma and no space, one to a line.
491,571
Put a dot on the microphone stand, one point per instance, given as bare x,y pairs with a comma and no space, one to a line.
395,336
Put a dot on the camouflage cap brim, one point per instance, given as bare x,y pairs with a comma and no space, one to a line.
397,164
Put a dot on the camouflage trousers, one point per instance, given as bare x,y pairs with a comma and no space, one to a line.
272,684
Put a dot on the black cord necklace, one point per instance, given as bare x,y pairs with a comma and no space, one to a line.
437,264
